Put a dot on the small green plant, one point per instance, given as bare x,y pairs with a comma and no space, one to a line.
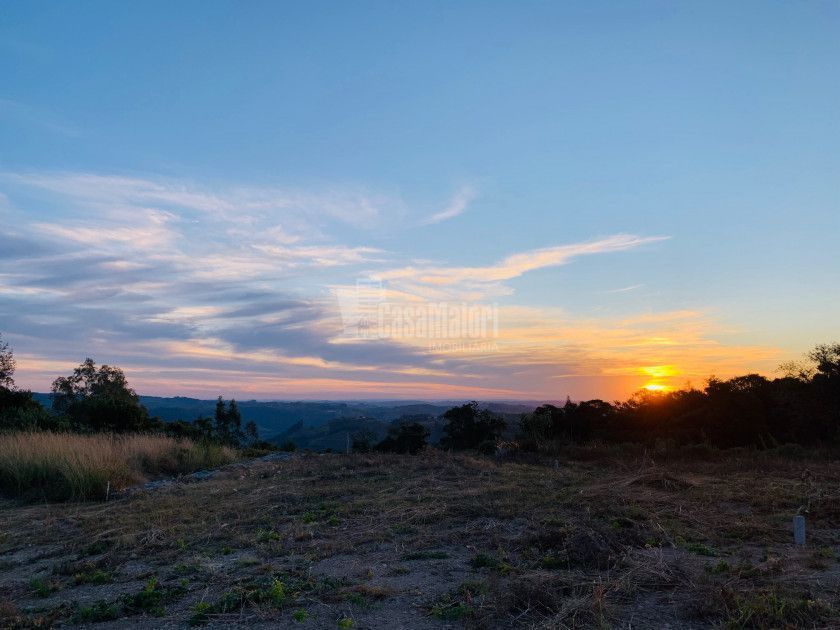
99,611
44,588
450,609
309,517
487,561
149,600
346,622
92,575
267,535
200,613
426,555
300,615
554,561
700,549
357,599
333,521
719,568
187,569
277,593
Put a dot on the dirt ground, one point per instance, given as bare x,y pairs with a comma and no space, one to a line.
438,541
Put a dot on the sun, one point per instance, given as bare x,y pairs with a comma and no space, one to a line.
656,387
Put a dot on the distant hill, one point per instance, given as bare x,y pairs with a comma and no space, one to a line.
275,418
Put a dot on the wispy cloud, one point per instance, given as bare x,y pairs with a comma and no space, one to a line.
515,265
301,208
457,205
626,289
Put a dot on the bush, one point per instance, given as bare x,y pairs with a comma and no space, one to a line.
409,437
468,427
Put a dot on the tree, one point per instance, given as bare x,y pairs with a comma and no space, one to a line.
18,409
827,358
7,365
234,419
228,423
405,437
204,427
469,427
99,399
362,441
221,421
251,433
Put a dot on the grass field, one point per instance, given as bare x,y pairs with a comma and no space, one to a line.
58,466
439,540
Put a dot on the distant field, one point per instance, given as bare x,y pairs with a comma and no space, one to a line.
440,540
43,465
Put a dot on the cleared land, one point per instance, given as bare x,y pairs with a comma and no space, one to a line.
438,541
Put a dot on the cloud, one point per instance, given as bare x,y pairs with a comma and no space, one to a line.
353,206
456,206
514,265
627,289
199,291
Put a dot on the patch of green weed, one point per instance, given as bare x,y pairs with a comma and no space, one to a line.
425,555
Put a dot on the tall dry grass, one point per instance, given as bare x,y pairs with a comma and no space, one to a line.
62,466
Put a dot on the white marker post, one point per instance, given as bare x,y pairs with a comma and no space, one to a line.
799,529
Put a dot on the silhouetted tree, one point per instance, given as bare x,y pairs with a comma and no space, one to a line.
251,433
234,419
405,437
7,365
827,358
18,409
221,421
99,399
362,441
802,407
469,427
228,423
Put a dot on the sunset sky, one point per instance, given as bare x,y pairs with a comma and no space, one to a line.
211,194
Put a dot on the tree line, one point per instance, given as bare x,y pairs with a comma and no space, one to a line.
801,407
98,399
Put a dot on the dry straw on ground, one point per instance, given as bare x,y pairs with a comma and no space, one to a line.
71,466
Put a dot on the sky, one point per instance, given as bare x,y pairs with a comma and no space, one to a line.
434,200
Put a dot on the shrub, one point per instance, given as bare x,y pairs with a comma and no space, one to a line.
468,427
404,438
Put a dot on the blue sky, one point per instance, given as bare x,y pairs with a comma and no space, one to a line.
185,191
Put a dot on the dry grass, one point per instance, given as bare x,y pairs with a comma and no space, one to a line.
438,539
60,466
